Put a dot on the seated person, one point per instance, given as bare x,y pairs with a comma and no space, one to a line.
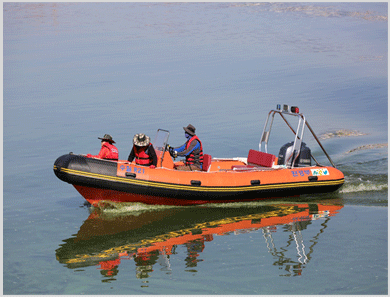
108,150
192,150
143,151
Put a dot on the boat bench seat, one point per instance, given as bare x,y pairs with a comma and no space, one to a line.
206,162
256,159
260,158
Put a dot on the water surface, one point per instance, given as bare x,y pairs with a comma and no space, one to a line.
76,71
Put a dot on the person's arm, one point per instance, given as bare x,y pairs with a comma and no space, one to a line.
152,153
194,145
180,148
131,156
104,151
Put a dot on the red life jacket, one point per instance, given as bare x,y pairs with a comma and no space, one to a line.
112,151
141,155
190,159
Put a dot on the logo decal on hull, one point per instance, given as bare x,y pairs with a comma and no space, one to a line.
319,172
297,173
132,169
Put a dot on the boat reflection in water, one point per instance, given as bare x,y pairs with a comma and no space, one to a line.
151,236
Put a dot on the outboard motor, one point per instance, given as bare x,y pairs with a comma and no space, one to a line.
304,158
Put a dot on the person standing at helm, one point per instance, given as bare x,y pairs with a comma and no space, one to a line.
143,151
108,150
192,150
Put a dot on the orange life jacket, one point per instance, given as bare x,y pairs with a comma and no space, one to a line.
190,159
141,155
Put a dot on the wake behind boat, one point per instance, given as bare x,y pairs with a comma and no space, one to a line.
258,176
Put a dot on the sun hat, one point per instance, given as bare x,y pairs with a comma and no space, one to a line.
141,139
107,137
190,129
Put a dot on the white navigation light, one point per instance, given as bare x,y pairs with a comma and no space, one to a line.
286,108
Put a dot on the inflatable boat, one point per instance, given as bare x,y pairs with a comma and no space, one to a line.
260,175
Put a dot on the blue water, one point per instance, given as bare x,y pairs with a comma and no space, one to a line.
73,72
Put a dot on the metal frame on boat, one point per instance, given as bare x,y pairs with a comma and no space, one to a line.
290,111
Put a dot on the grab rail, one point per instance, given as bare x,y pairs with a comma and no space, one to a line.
302,122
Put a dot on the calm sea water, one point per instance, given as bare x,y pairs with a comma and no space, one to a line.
75,71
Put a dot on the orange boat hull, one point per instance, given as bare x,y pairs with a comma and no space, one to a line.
101,180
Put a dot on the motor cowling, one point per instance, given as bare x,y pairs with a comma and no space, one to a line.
285,155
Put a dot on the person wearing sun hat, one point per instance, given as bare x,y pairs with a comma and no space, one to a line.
192,150
143,151
108,150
